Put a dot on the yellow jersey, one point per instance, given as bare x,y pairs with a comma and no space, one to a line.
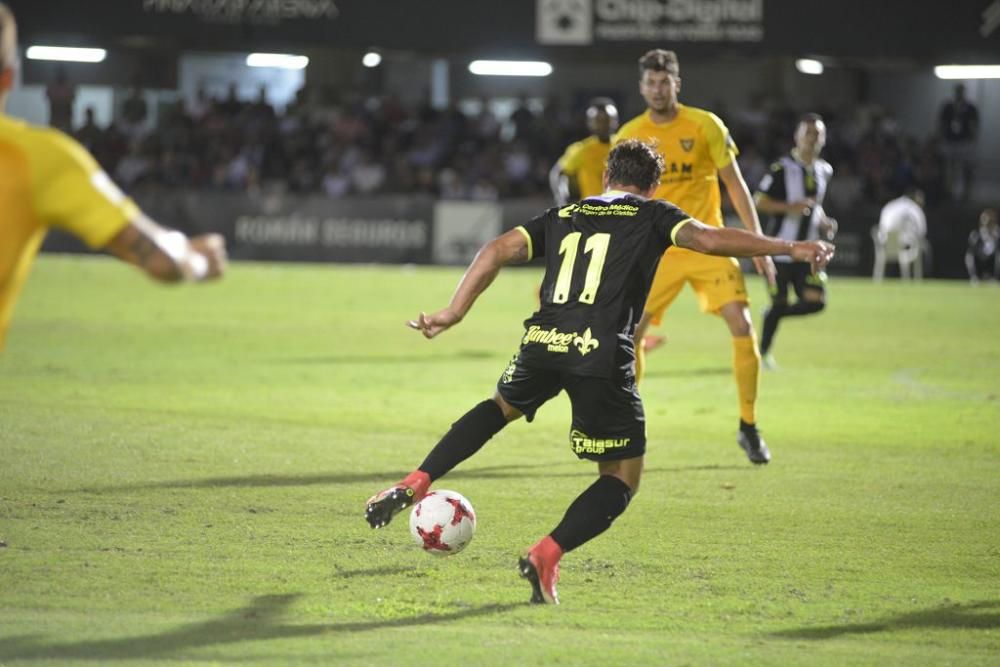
49,180
694,146
585,161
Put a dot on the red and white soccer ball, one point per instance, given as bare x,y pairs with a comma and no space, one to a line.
443,523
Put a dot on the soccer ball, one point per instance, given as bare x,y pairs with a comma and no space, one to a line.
443,523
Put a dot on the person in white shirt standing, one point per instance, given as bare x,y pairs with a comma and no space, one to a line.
902,226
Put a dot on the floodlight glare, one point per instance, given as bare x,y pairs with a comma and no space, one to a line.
967,71
278,60
66,54
372,59
809,66
510,68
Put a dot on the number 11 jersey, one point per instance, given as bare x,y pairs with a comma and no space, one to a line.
600,258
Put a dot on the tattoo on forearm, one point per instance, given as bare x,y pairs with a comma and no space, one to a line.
142,249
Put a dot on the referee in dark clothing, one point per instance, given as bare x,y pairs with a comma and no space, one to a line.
791,196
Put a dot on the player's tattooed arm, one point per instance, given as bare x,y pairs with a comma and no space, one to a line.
135,246
168,255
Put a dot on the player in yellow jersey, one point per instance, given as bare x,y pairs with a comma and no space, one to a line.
579,172
48,180
698,151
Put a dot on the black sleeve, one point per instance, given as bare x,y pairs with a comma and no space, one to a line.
666,219
773,183
534,230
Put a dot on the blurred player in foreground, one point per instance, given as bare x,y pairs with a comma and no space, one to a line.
698,151
48,180
600,257
792,195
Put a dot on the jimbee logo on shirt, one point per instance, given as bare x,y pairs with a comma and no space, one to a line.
559,341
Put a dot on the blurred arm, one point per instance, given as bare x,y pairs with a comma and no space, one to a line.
167,255
771,206
559,182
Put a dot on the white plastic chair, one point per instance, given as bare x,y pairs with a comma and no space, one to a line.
903,246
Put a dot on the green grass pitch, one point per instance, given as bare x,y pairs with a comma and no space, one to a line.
183,474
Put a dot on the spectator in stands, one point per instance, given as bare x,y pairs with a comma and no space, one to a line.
261,110
904,213
958,124
199,106
231,106
134,166
458,152
368,175
901,235
135,113
982,258
89,134
61,94
523,121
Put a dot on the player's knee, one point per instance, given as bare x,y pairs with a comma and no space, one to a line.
814,301
737,317
740,329
510,413
627,471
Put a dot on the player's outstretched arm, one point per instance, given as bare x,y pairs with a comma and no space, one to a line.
771,206
509,248
168,255
741,243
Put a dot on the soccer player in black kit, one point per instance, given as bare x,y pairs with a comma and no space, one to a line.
600,257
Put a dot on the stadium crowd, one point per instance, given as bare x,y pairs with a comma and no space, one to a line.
360,145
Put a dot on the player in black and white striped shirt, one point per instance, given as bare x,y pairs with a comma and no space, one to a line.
791,195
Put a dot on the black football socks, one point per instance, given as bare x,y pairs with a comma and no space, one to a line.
592,512
465,438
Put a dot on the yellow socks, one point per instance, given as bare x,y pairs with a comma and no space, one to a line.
640,362
746,369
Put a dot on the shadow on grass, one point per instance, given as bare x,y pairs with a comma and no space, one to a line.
354,359
541,471
971,616
685,372
260,620
374,572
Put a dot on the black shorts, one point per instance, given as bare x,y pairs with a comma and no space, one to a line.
800,276
608,420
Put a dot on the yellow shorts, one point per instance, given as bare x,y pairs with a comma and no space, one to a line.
716,280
